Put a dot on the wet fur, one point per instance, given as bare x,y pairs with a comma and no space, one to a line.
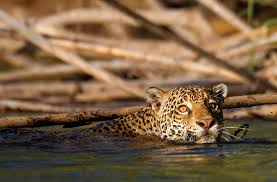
161,119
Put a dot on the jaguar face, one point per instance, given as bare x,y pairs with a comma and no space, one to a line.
189,115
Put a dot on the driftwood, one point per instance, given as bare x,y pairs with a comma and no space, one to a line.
64,118
225,13
68,57
45,120
88,92
131,55
264,112
146,58
53,26
169,34
16,105
249,100
62,70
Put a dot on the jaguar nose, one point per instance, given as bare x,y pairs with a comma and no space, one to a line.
206,123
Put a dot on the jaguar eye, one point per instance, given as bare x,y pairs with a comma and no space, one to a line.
183,109
214,106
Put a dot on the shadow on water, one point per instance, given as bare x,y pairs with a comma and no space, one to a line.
37,155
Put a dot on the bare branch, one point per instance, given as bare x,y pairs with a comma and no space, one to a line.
170,34
226,14
46,120
59,119
69,57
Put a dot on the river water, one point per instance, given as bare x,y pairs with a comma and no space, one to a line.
26,155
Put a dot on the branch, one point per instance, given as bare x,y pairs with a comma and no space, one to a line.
170,34
92,91
100,115
61,70
249,100
226,14
69,57
60,119
136,56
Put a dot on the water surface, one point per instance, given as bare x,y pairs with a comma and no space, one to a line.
26,155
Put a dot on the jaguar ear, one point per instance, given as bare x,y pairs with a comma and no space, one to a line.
154,97
220,90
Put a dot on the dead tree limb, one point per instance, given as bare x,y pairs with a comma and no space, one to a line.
249,100
57,119
130,55
69,57
60,70
265,112
92,91
16,105
226,14
64,118
170,34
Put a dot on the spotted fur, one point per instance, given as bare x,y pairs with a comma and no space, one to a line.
183,115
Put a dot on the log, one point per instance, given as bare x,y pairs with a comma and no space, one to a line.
264,112
63,118
58,119
249,100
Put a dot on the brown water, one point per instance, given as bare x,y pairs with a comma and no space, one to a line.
34,156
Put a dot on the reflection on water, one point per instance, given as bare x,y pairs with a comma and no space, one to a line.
45,156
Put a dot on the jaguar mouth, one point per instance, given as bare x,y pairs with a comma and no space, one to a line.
208,136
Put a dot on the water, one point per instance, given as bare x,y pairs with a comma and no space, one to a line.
32,156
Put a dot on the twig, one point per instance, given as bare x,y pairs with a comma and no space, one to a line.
69,57
169,34
226,14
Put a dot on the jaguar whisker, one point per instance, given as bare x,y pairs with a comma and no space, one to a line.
230,135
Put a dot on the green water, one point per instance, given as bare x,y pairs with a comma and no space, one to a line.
28,156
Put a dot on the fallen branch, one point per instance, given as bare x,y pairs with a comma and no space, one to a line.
62,70
264,112
60,119
46,120
69,57
249,100
226,14
54,25
130,55
16,105
169,34
19,61
92,91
